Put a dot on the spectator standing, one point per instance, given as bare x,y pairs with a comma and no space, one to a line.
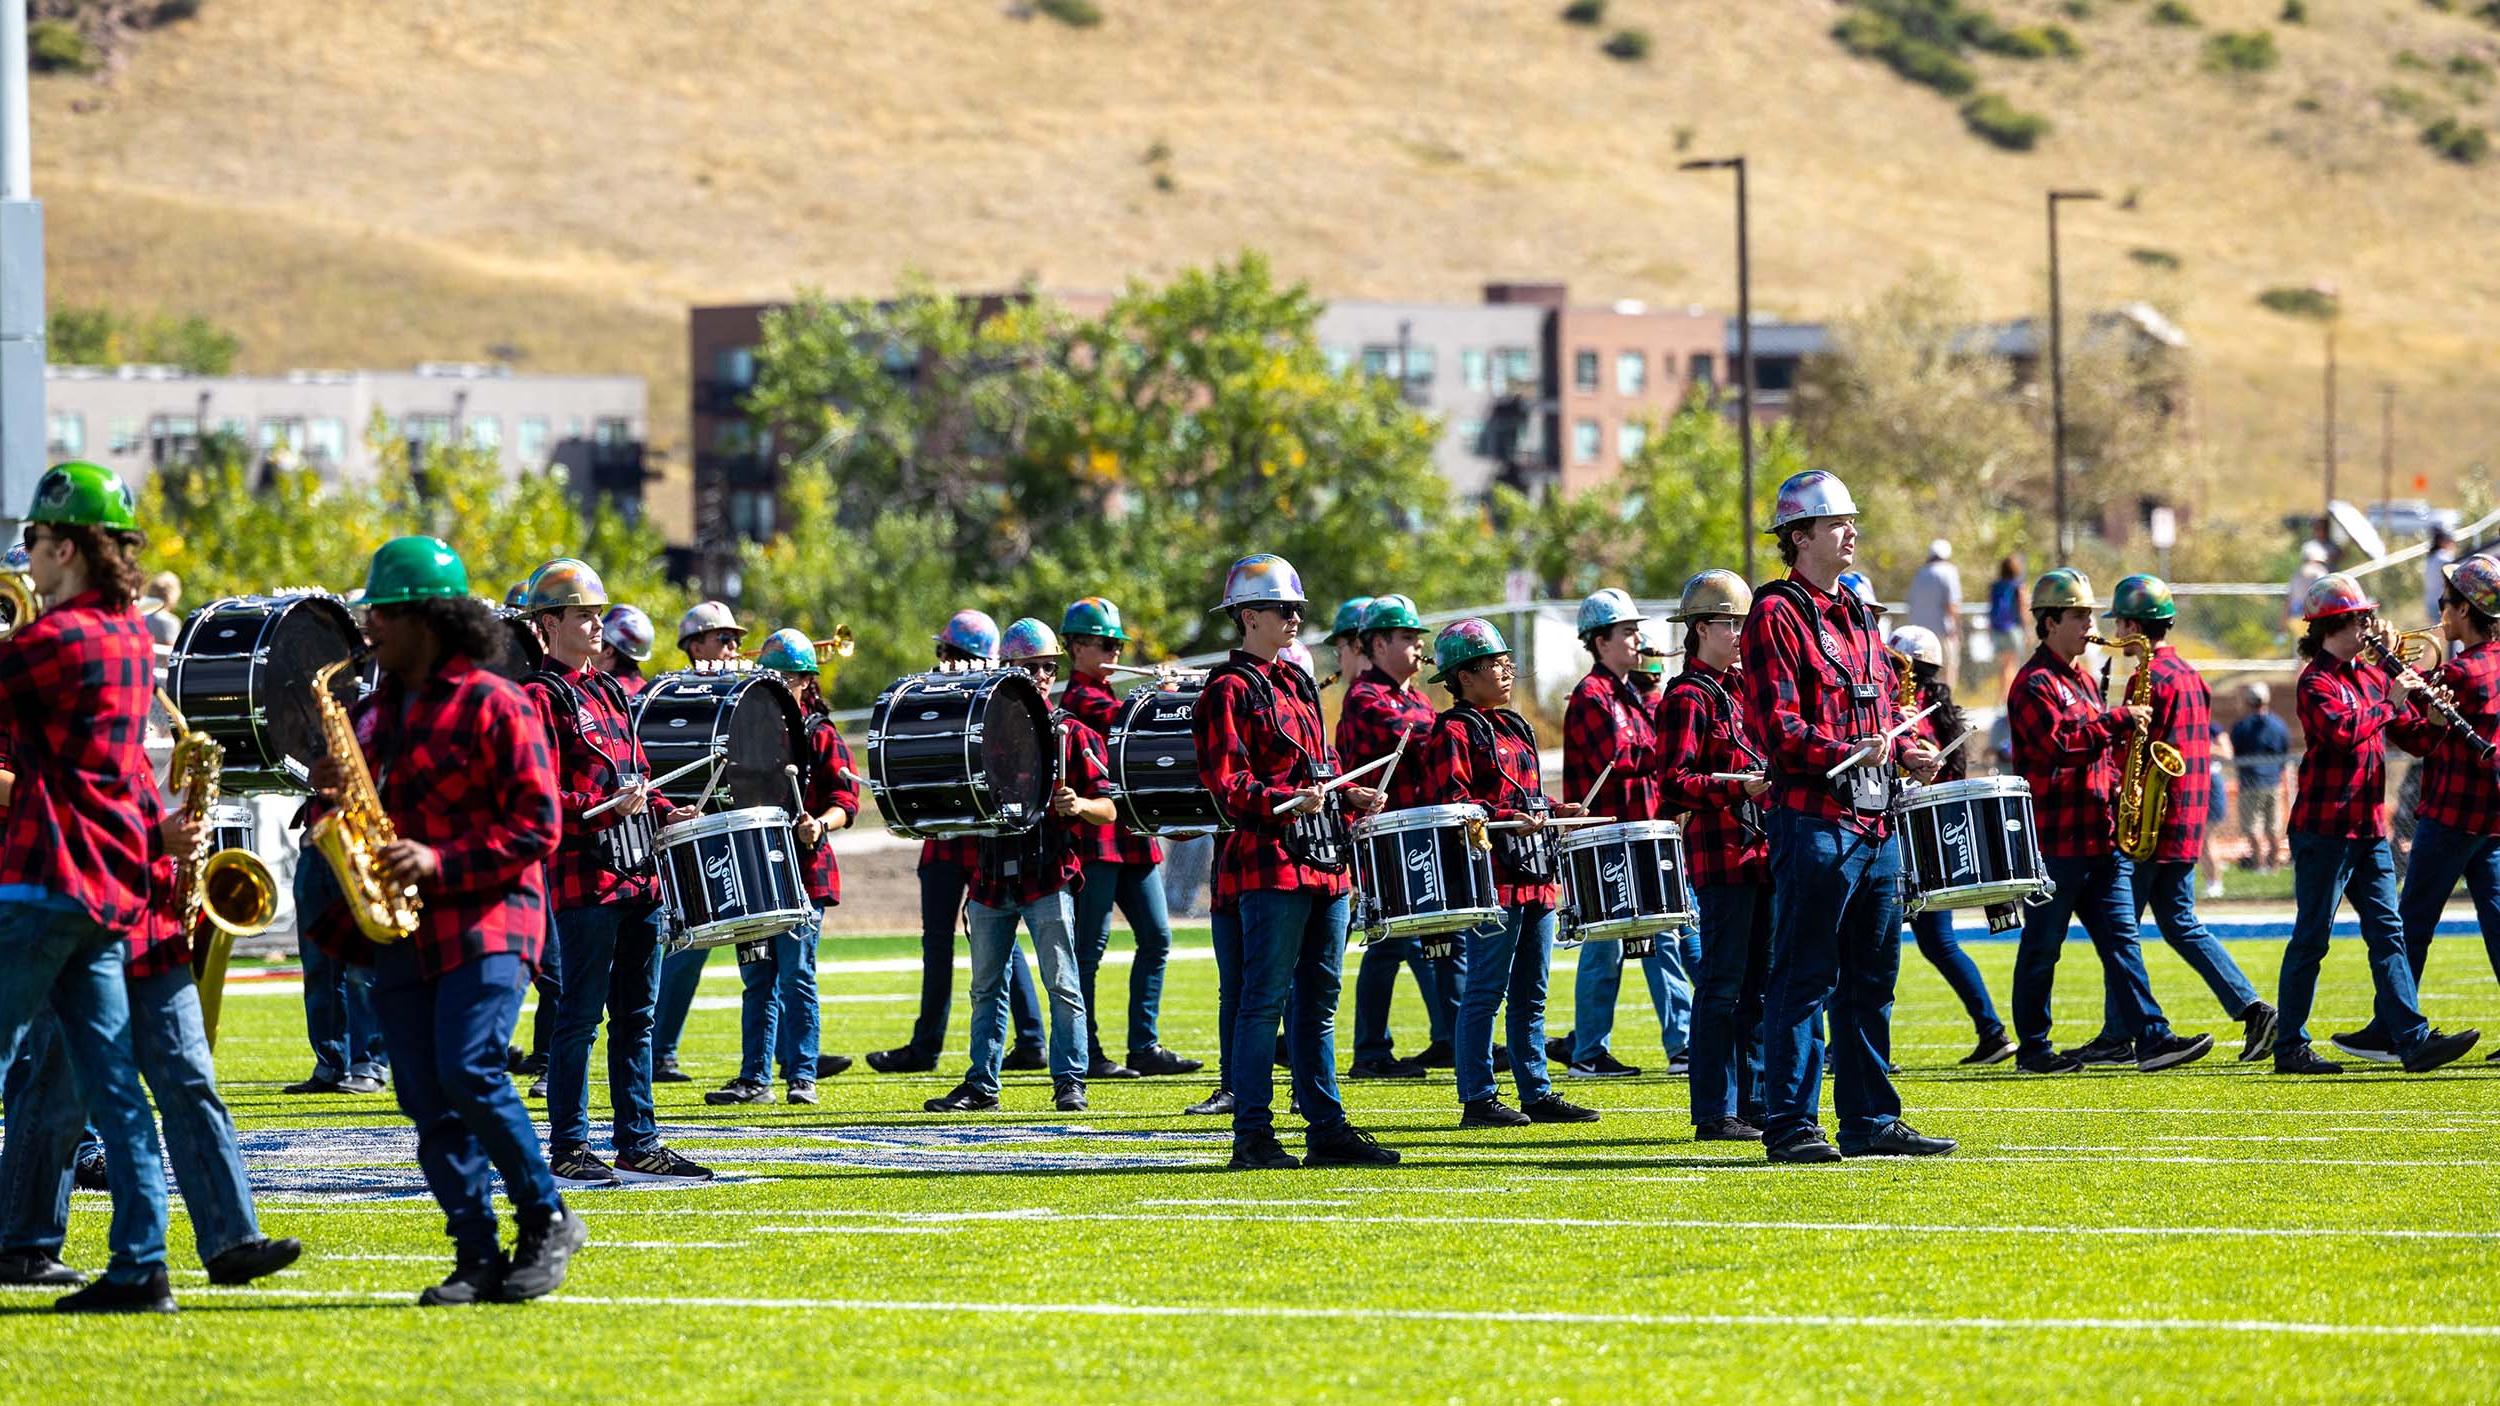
1936,604
165,622
2259,743
2313,558
2435,563
2008,622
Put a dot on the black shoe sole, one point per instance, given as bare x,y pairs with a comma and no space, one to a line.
882,1065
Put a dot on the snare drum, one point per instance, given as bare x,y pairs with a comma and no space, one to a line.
1154,763
961,753
1421,873
732,877
1971,844
241,671
748,716
1624,881
232,825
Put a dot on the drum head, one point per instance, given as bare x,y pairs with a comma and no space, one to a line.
764,731
1016,750
304,634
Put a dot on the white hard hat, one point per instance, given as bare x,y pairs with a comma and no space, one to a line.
2259,693
1919,643
1940,550
710,615
1812,494
2314,550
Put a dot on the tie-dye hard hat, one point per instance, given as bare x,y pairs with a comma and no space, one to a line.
1462,644
566,581
1811,494
971,632
1261,580
1028,638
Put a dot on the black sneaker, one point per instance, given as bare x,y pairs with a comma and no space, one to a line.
1605,1066
2300,1059
37,1267
473,1280
739,1091
1347,1146
1437,1055
963,1099
801,1091
2098,1052
538,1088
1156,1062
1491,1113
1679,1065
1068,1095
314,1085
532,1066
1384,1069
1803,1149
88,1173
901,1060
2258,1028
361,1084
154,1294
1558,1048
2366,1044
253,1259
2172,1050
579,1166
1105,1067
1215,1105
1025,1059
1261,1152
2048,1062
659,1163
2439,1049
1554,1108
667,1071
1899,1139
828,1065
1727,1130
541,1256
1992,1049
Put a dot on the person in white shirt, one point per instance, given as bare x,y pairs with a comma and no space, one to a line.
1936,603
2435,563
2313,554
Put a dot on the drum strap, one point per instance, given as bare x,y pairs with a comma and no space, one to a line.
1867,790
1524,857
1722,707
626,847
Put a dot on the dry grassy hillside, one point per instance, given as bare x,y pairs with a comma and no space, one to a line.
363,182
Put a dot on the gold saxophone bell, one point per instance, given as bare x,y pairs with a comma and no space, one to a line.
238,893
17,603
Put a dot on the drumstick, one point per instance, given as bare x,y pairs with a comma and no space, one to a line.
1736,776
1396,754
1551,820
1598,785
653,784
1955,745
1290,806
1866,751
798,798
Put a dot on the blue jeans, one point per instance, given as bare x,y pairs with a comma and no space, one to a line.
346,1035
942,887
1727,1002
610,957
778,1017
1598,982
1836,945
1934,931
2443,854
449,1035
1137,890
681,975
2324,869
2100,894
1376,988
59,958
2169,889
1509,957
1282,955
1051,919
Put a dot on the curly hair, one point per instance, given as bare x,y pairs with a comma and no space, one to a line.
461,625
112,557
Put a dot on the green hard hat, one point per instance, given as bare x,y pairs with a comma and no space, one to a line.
413,569
1391,613
2141,597
2062,589
1349,619
1462,644
80,494
1094,616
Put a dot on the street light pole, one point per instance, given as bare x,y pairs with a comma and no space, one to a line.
2057,373
1744,337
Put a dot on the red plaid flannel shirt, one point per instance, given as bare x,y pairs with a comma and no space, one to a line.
1607,721
1089,698
75,684
2066,746
2458,788
633,683
1454,770
960,849
1249,761
2344,713
827,788
462,765
1377,711
1089,775
2183,717
592,749
1798,705
1693,742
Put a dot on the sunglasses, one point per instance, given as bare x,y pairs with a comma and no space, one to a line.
1286,609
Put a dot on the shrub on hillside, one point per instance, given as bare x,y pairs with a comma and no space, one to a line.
2161,259
1588,12
2077,9
2004,124
1076,14
2295,11
2404,102
1629,45
56,46
2316,304
2235,52
2175,14
2461,142
2469,71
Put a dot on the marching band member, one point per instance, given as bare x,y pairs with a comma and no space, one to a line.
1481,753
1933,929
2183,717
708,634
2339,837
460,764
1818,699
625,640
1702,739
1031,876
2065,744
779,1016
604,887
1675,958
1121,869
969,641
1383,705
1346,633
1280,909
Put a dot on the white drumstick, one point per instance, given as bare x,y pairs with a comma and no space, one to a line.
1395,755
798,798
1598,785
1736,776
1295,804
649,786
1955,745
1867,751
1552,821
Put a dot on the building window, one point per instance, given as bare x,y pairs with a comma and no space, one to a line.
1631,372
279,432
124,437
613,430
1471,436
65,437
1473,368
1421,362
751,513
532,444
429,430
1587,438
1703,370
734,366
325,441
1518,369
1584,370
1380,360
572,427
1630,437
173,438
1338,358
486,432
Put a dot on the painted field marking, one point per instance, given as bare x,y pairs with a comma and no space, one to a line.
1235,1201
857,1229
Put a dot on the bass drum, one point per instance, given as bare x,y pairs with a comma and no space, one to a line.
1154,762
748,716
961,753
241,671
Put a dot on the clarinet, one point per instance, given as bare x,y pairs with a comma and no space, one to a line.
2376,640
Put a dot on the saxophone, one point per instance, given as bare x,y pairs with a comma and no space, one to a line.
2151,764
232,888
353,835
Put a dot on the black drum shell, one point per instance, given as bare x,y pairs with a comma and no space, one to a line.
1420,879
241,671
733,877
1624,885
1970,844
681,716
961,753
1154,763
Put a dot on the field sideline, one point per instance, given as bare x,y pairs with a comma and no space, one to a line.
2207,1234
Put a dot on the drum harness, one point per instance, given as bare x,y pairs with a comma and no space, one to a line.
1747,810
1866,790
1045,846
1529,854
629,847
1319,839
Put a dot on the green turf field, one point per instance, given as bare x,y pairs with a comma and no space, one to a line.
2207,1234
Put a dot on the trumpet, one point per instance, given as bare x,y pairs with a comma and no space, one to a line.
838,646
2433,650
18,605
